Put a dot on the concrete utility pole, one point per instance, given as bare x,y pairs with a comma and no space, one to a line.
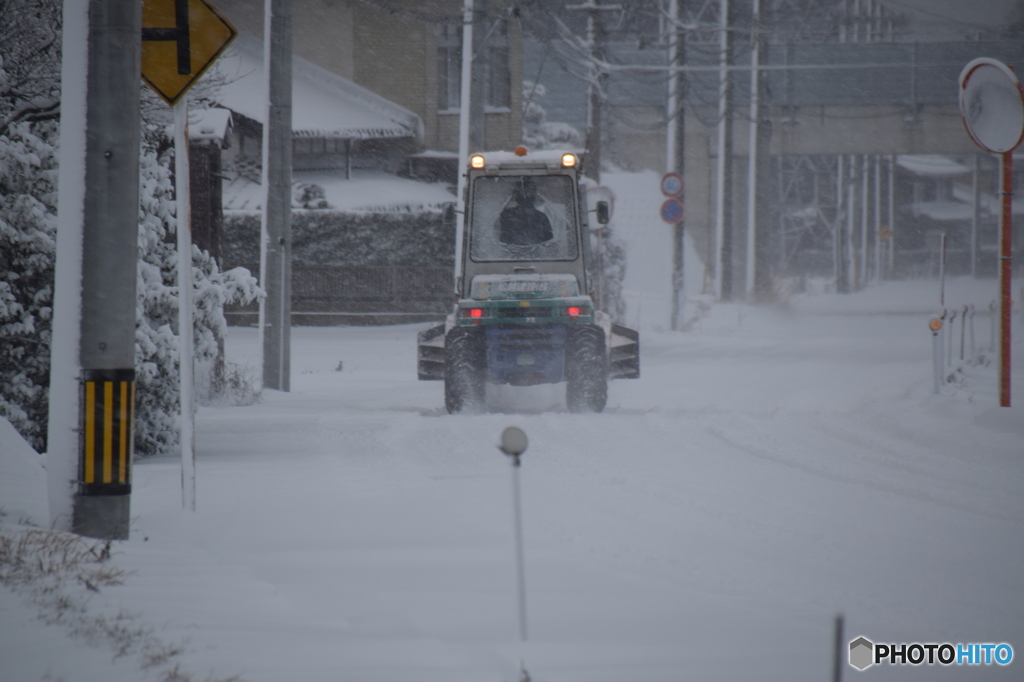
892,212
276,237
758,164
595,85
837,229
975,214
723,198
464,125
466,87
851,209
479,72
92,385
675,148
877,227
865,172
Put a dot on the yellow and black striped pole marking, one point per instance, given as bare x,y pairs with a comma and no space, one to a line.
108,433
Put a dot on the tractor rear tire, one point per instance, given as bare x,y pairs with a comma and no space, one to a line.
586,369
465,364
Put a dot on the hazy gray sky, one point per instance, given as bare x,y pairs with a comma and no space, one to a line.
978,13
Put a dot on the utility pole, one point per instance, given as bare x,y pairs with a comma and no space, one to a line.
92,378
892,212
752,146
865,177
723,198
837,230
675,146
464,93
276,237
595,84
851,211
975,214
877,228
479,71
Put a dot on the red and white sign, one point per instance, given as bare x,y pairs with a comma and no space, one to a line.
672,211
672,184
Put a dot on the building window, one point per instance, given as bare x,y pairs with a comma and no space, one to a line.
498,76
449,66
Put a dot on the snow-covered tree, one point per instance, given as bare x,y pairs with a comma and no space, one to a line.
29,103
29,106
156,337
538,132
29,61
27,247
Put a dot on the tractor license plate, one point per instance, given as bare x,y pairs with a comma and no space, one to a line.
524,359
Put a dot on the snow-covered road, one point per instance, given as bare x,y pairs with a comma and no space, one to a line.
772,467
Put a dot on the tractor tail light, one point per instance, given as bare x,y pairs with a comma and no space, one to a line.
475,313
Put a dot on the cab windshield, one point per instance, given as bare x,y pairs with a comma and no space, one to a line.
523,217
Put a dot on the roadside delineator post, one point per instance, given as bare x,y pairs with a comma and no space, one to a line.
935,325
949,349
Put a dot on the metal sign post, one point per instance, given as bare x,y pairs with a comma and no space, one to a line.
186,367
181,39
992,108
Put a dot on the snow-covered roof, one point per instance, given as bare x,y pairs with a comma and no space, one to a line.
209,124
943,210
371,191
934,165
323,103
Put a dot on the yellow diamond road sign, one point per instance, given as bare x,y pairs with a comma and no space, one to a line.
181,39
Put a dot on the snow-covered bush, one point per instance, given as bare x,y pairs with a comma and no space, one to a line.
28,172
333,237
29,101
538,132
27,247
156,340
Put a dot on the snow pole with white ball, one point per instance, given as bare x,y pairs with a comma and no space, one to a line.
513,443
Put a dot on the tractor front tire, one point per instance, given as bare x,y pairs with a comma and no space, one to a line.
465,363
586,369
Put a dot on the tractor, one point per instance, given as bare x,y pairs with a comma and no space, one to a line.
524,311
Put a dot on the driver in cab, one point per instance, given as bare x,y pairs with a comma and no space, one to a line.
522,223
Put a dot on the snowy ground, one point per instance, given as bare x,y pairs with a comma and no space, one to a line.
772,467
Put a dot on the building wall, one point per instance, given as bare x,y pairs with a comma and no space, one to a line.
321,29
392,54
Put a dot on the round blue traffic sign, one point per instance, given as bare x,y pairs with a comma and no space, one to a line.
672,184
672,211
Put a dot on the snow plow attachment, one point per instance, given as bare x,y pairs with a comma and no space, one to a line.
430,354
624,353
